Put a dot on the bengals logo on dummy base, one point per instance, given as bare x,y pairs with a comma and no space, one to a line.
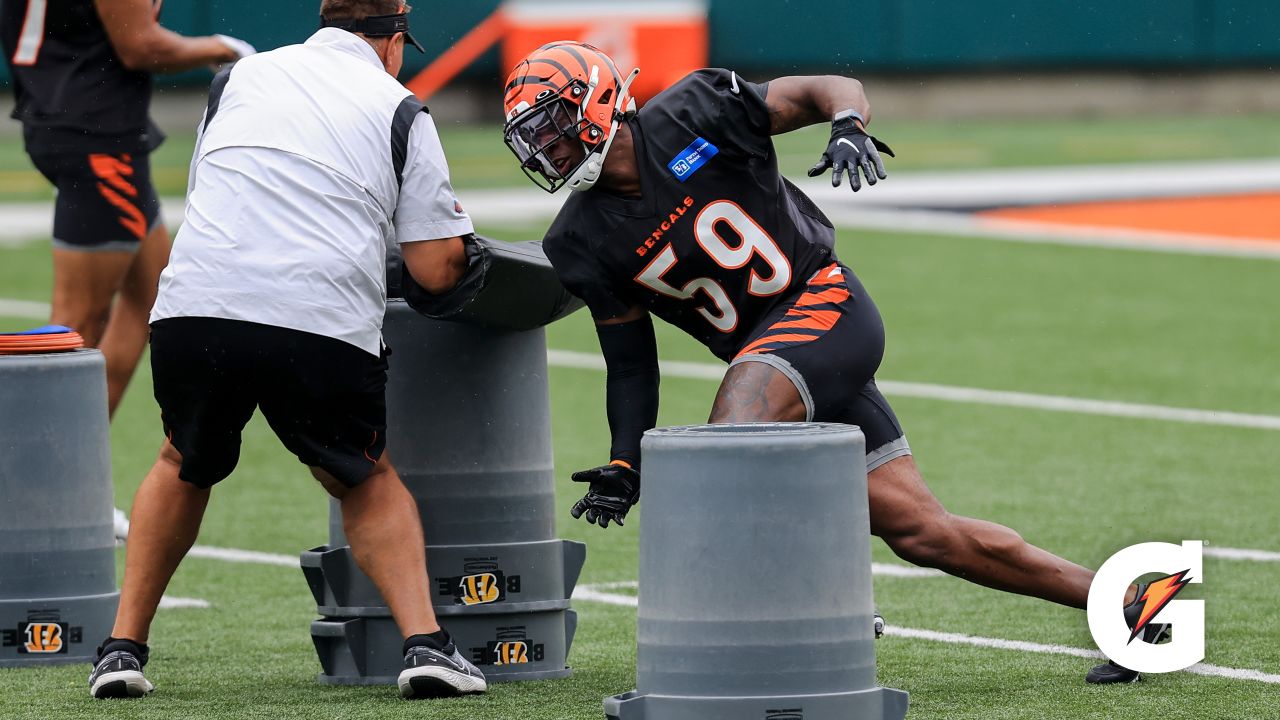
479,589
44,638
511,653
484,583
511,646
43,633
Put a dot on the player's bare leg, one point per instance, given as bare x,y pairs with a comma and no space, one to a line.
756,392
381,521
905,513
907,516
128,326
84,284
166,519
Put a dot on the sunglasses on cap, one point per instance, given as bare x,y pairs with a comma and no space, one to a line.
377,26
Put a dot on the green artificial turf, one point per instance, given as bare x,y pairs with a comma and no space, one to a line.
1176,330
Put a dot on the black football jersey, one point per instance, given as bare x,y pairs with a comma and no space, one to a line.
718,239
70,86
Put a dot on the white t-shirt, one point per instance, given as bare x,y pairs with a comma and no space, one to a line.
293,197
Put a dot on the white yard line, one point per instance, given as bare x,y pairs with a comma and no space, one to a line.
1226,553
1080,405
245,556
24,309
998,644
620,584
904,571
169,602
995,643
950,393
1234,673
589,594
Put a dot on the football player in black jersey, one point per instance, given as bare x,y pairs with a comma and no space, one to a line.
82,82
687,217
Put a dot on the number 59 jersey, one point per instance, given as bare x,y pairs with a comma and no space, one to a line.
718,238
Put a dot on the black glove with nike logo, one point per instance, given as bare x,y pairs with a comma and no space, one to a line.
614,489
852,148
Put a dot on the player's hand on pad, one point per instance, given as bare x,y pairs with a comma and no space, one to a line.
238,48
614,488
849,149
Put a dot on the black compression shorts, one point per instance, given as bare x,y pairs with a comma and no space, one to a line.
105,201
324,398
829,342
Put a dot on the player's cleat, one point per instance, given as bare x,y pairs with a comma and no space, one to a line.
120,523
118,671
1109,672
877,622
433,673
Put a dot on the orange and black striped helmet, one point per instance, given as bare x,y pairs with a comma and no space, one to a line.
563,103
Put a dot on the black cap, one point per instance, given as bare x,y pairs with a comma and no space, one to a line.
377,26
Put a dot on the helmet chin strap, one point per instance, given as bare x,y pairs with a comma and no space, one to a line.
585,177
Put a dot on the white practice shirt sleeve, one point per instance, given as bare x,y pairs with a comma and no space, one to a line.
428,209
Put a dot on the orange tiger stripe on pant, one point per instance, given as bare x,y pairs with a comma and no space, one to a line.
114,185
814,313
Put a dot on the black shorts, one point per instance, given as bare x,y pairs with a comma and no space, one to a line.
829,342
324,398
106,200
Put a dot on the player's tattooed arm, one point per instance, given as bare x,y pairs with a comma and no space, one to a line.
800,101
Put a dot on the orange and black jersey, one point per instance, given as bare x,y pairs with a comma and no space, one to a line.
718,239
71,88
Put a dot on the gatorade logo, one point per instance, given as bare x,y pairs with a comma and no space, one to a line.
44,638
1181,564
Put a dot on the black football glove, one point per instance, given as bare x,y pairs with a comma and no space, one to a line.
614,489
851,148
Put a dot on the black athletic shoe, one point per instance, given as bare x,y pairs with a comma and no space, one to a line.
433,673
1109,672
118,671
877,622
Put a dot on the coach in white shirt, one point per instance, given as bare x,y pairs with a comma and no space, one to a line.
309,161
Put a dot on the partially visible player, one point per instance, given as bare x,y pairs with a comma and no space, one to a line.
688,218
82,80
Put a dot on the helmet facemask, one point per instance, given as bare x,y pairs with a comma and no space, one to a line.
563,136
552,140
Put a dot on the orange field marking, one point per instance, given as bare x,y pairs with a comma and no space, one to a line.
1255,215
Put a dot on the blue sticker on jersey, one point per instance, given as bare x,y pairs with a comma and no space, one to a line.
692,158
